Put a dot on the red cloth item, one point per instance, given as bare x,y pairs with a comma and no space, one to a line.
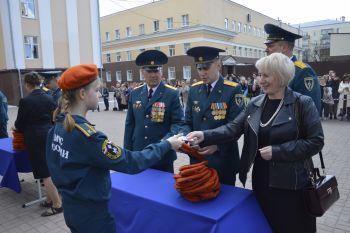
187,149
197,182
78,76
18,140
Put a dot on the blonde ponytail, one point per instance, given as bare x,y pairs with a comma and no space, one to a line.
66,99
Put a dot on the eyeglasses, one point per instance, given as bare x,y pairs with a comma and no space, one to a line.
204,66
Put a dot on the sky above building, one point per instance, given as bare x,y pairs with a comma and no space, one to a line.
293,12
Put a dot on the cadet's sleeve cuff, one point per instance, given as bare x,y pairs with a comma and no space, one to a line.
166,145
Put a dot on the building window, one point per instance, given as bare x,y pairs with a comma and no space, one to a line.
239,27
234,52
142,50
255,53
118,57
31,47
258,32
226,23
128,56
108,76
171,73
141,75
169,22
108,57
249,52
107,36
156,25
157,48
117,34
187,46
128,32
185,21
142,29
249,29
171,50
233,26
244,28
28,8
118,76
187,72
245,52
239,51
129,75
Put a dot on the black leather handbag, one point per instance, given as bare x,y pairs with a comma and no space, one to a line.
321,192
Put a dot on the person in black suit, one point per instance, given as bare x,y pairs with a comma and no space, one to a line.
34,119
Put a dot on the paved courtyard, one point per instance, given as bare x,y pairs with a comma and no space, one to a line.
15,219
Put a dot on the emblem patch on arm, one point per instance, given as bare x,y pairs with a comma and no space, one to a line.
309,83
111,150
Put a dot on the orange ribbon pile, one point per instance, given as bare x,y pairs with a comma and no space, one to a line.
197,182
187,149
18,140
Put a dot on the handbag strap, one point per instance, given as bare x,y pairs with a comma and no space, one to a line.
299,119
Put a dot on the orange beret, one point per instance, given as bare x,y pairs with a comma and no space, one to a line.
77,76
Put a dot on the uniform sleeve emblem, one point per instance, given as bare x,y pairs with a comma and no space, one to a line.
239,100
309,83
111,150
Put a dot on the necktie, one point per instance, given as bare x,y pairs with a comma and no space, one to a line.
208,89
150,93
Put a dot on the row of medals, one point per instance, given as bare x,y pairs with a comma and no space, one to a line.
218,110
157,113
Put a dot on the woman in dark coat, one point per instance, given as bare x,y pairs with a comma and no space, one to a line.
34,119
278,143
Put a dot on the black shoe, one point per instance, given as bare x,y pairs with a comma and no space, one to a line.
105,110
335,118
330,117
52,211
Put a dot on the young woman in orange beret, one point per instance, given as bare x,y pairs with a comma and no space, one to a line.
80,157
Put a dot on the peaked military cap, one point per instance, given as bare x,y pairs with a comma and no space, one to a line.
151,59
277,33
49,75
204,54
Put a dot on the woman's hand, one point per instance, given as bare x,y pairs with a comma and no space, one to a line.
208,150
266,152
195,137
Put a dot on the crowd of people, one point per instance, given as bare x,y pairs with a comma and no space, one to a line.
74,159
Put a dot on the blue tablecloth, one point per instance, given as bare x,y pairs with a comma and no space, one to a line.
148,202
12,162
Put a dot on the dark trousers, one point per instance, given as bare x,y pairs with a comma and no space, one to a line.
334,109
3,131
105,100
119,101
169,167
324,109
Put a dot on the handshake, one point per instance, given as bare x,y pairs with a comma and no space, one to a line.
189,144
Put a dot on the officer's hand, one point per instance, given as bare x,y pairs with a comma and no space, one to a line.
208,150
266,152
176,141
195,137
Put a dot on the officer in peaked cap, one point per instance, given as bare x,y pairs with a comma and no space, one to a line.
50,82
213,102
305,80
154,109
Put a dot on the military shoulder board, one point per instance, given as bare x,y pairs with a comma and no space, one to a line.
230,83
300,64
86,129
197,83
139,86
171,87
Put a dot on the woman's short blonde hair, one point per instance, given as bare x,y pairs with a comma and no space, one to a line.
277,65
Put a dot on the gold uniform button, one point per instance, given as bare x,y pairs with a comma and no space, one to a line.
204,118
146,126
146,137
147,116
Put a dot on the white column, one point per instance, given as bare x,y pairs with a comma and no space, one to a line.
46,36
6,33
14,39
73,32
95,29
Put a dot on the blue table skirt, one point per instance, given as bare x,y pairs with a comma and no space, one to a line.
12,162
148,202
